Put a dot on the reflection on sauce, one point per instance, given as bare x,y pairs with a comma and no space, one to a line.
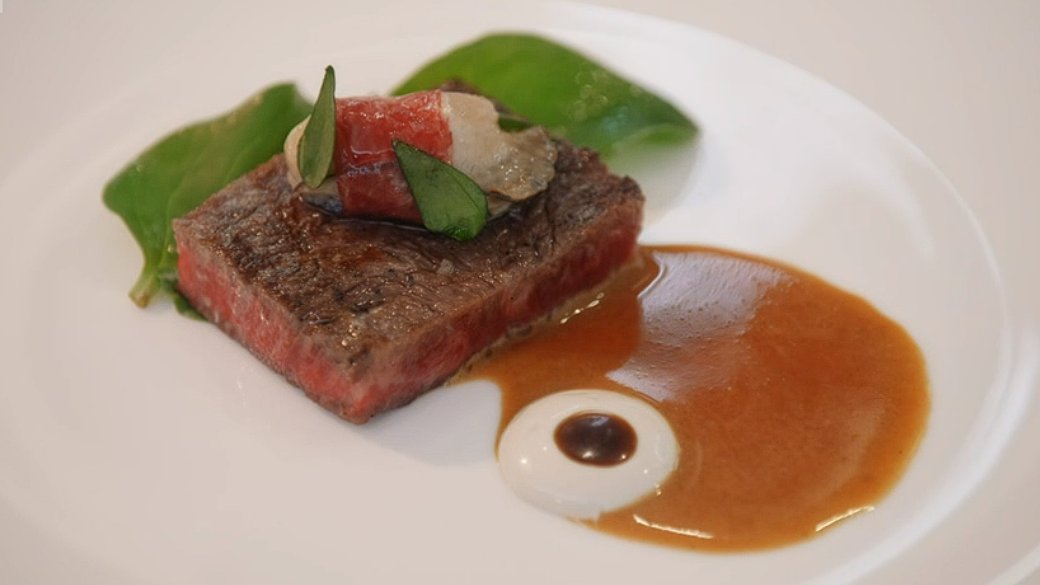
795,404
596,438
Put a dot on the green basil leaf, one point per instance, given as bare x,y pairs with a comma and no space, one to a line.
450,202
183,169
314,156
558,88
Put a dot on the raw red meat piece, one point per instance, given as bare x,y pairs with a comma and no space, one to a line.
368,176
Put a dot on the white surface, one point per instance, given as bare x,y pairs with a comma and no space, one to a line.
142,448
539,472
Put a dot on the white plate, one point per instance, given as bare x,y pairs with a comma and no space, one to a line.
140,447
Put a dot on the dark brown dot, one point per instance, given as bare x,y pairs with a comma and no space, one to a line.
596,438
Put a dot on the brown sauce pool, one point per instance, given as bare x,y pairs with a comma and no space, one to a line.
795,404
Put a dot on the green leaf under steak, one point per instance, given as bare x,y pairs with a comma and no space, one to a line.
319,137
183,169
450,202
558,88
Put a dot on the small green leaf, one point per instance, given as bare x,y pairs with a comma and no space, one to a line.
450,202
556,87
314,156
183,169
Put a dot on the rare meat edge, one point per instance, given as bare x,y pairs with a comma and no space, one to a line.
395,375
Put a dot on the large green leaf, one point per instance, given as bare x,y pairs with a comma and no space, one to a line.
183,169
557,88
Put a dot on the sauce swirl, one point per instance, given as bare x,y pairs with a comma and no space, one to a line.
795,404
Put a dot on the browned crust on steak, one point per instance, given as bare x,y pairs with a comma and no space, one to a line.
363,315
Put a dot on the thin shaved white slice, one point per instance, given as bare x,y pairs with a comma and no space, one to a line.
515,165
291,146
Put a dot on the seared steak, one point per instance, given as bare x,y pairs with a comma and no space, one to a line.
365,316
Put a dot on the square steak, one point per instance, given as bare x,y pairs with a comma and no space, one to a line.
365,316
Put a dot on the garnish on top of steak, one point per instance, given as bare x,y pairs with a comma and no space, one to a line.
458,128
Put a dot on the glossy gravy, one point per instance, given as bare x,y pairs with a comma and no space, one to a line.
795,404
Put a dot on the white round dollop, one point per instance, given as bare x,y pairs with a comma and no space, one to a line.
539,472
